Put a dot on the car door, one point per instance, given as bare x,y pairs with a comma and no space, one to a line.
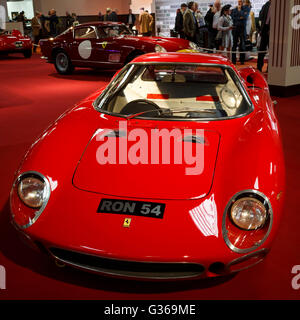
108,47
83,48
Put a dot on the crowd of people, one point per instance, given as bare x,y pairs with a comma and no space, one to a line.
224,28
51,25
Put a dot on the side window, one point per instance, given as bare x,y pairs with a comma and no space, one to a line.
85,33
102,33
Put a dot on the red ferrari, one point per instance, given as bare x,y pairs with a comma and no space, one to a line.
15,42
175,170
104,45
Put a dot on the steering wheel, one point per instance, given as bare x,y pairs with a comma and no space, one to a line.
141,105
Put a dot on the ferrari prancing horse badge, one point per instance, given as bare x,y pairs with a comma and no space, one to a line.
127,222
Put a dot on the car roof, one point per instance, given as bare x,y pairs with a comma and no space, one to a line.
183,57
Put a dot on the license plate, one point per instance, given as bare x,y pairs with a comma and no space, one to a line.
134,208
19,44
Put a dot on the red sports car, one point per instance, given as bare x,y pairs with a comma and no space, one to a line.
104,45
174,171
15,42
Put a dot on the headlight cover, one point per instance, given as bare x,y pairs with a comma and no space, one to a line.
159,48
29,197
32,191
248,213
247,221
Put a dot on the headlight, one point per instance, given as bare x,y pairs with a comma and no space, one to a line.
159,48
193,46
228,98
28,198
248,214
32,191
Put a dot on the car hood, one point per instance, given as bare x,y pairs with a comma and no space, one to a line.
190,177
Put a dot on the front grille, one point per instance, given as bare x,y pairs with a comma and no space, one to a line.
131,269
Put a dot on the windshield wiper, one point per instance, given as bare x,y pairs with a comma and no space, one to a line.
132,116
167,112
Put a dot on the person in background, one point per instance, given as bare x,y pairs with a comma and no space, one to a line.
250,29
69,20
212,19
130,19
250,26
239,16
201,27
106,17
76,21
189,22
114,16
21,18
53,22
218,7
265,20
144,20
36,26
225,26
179,20
100,16
151,24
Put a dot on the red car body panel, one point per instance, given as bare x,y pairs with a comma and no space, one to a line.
247,154
14,42
106,52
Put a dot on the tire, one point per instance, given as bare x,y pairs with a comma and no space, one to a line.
63,64
27,53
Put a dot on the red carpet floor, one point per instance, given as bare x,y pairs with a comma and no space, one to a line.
32,95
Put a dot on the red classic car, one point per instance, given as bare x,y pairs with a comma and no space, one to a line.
175,170
14,42
104,45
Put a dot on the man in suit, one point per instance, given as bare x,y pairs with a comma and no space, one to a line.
179,20
69,20
36,25
211,20
264,19
189,22
130,19
53,22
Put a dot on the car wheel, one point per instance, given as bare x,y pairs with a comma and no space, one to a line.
27,53
63,64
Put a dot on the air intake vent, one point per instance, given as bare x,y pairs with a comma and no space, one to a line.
130,269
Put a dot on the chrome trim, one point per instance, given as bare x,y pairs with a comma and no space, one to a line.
247,257
233,74
224,230
128,274
45,200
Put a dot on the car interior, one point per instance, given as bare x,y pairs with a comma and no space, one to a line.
179,91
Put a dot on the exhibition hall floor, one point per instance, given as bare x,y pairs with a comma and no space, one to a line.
32,95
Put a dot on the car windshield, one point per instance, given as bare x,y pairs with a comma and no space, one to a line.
175,91
114,30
